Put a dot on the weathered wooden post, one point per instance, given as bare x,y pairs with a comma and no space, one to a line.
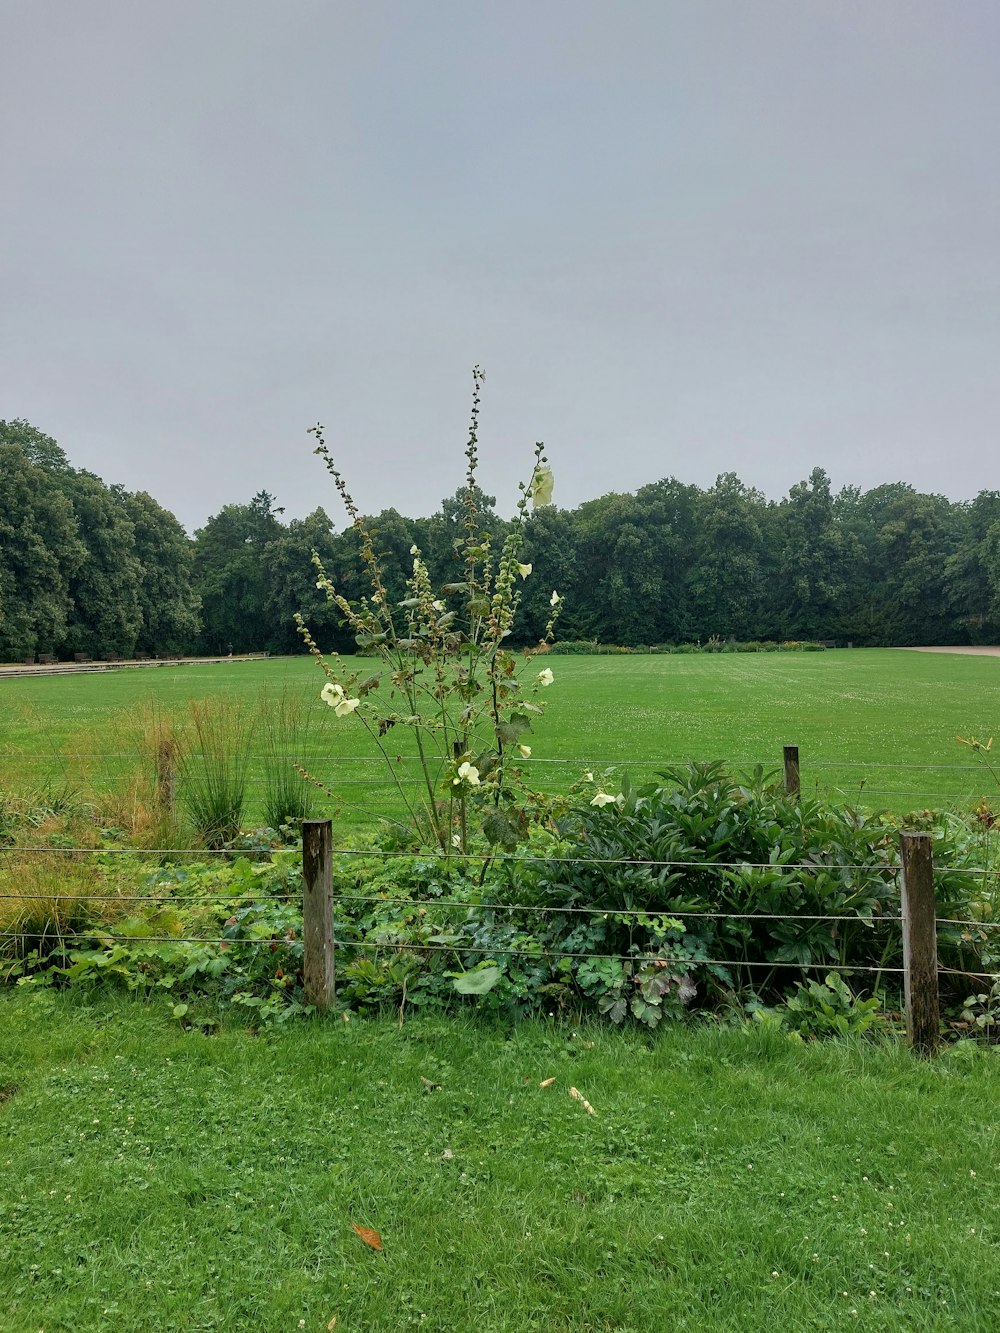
166,759
792,777
317,912
920,964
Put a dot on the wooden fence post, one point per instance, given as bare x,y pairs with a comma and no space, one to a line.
920,964
317,912
166,760
792,778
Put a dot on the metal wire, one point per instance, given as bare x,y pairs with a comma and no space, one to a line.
814,866
134,851
770,763
236,900
964,972
478,857
602,911
101,936
558,953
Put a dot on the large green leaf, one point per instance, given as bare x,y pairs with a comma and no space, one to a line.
478,982
502,830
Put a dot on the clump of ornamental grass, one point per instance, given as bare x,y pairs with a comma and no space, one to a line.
447,674
214,768
288,796
45,899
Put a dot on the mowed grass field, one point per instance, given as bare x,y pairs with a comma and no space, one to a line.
153,1178
876,727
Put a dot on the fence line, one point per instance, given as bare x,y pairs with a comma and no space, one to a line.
920,971
770,763
448,904
816,867
496,857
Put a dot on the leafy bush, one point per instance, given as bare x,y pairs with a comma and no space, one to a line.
828,1009
575,647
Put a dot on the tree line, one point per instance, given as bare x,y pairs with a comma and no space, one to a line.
90,568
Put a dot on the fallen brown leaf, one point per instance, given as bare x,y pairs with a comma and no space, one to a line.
579,1097
370,1237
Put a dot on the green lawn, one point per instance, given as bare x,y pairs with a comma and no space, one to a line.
152,1178
874,725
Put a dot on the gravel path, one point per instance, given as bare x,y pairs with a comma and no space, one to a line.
975,652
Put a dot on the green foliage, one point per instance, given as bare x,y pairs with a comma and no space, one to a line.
591,647
230,575
829,1009
168,604
85,567
670,563
104,586
982,1010
40,550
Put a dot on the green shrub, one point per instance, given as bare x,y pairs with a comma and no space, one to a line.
574,647
828,1009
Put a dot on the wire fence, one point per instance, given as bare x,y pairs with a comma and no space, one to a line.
882,881
359,782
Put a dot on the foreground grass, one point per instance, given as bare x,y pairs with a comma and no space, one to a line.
875,726
157,1178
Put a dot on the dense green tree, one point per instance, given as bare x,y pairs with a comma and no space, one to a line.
291,585
230,575
84,567
730,559
812,569
169,605
550,548
441,537
40,553
39,448
972,575
106,616
905,540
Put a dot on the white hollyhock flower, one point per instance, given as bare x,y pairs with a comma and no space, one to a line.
467,773
546,677
541,486
332,693
525,751
554,599
524,570
602,798
346,706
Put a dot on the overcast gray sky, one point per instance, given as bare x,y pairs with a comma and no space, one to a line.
682,236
